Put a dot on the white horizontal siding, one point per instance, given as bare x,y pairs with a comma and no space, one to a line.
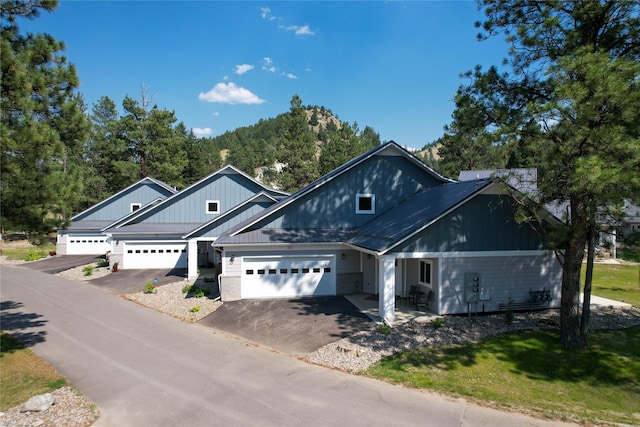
503,277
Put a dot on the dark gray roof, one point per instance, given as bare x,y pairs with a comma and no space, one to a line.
414,214
88,225
273,235
155,228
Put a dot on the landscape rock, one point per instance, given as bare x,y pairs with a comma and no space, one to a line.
39,403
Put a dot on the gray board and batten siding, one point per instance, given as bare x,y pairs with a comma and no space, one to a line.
190,205
333,205
119,204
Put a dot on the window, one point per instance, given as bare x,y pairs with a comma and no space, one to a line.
134,207
425,272
365,203
213,206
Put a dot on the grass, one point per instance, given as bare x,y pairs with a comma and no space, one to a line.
617,282
23,252
529,370
23,374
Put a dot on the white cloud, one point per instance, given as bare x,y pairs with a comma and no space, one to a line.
201,131
300,31
267,65
242,68
216,114
230,93
291,76
266,14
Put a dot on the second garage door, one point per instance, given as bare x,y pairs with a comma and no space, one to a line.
155,255
288,277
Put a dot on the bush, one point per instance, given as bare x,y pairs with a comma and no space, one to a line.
195,309
34,255
438,322
88,270
196,291
384,329
508,314
103,263
148,289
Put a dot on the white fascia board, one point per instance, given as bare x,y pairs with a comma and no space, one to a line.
474,254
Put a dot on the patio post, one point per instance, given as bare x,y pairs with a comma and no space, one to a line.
387,286
192,259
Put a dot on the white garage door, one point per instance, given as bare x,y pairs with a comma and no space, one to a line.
287,277
88,244
155,255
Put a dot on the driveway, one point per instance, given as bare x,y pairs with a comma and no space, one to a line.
130,281
294,326
56,264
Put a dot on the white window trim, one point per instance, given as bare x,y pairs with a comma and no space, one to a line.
206,206
133,205
428,284
373,203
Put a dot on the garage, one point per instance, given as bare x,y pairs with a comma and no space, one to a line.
155,255
279,277
87,244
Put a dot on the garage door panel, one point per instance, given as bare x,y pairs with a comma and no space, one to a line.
96,244
155,255
287,277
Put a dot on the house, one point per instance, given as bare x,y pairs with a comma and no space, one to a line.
85,235
386,224
178,231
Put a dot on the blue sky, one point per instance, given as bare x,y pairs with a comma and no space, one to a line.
393,66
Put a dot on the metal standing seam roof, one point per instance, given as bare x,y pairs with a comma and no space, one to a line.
414,214
265,236
155,228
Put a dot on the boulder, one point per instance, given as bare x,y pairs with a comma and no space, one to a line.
40,403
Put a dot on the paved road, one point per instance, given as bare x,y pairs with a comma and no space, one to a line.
144,368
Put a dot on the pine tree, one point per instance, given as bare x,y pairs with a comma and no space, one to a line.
42,128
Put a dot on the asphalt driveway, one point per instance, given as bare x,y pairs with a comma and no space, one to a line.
296,326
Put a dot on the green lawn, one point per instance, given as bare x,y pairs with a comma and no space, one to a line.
618,282
23,374
28,253
529,371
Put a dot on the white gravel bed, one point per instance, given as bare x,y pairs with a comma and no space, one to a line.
77,273
71,409
170,300
363,349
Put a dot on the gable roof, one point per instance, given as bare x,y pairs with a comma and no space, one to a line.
414,215
389,148
168,201
143,181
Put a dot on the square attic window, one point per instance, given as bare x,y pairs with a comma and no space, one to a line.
365,203
134,207
213,206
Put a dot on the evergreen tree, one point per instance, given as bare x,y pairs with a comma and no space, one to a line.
42,126
297,150
571,99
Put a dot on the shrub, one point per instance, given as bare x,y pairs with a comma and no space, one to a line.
384,329
186,289
199,292
438,322
103,263
195,309
148,289
32,255
508,314
88,270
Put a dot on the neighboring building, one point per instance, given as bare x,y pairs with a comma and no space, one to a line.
85,235
178,232
384,223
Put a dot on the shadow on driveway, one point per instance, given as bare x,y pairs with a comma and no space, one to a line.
130,281
294,326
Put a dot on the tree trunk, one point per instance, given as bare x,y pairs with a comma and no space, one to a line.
570,336
586,303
